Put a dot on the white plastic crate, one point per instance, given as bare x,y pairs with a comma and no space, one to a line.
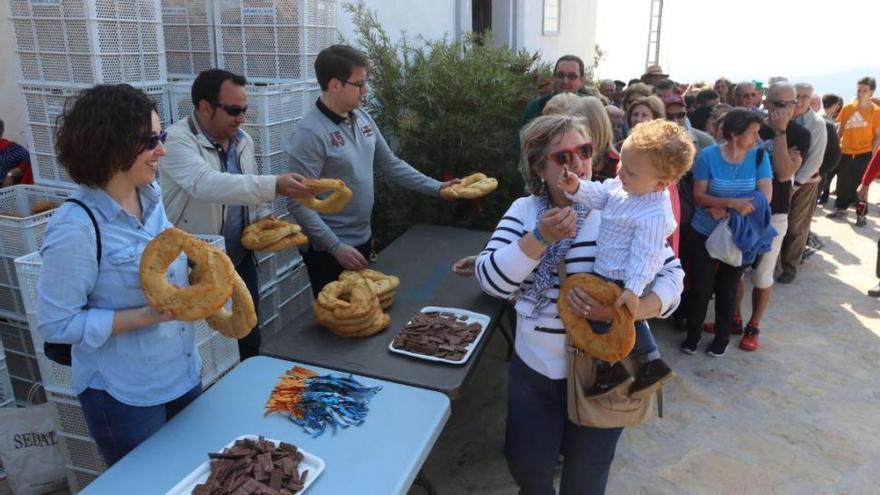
267,103
275,164
71,419
15,336
260,39
320,13
78,479
287,259
89,41
270,139
285,287
22,366
219,355
189,36
288,313
23,235
21,388
11,304
82,452
44,104
7,395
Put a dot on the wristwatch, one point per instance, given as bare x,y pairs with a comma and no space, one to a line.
779,132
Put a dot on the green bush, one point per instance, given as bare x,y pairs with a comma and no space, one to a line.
449,109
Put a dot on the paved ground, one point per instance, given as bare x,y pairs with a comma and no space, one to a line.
799,416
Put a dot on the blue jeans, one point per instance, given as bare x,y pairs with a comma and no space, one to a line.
249,346
118,428
538,430
645,348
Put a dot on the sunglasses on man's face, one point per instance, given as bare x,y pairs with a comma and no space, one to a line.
151,141
676,115
782,104
233,110
566,157
571,76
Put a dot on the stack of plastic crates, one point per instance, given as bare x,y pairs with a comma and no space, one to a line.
189,36
84,463
88,41
21,232
320,31
7,398
44,103
65,46
284,300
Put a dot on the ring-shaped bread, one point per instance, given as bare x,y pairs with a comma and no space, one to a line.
348,299
266,232
197,301
612,346
243,318
385,284
471,187
332,204
288,242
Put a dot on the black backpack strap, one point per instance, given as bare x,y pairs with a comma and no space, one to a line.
94,223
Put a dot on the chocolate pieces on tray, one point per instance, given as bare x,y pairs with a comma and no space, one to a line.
439,334
254,467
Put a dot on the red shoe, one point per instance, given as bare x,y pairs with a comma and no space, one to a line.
736,328
749,342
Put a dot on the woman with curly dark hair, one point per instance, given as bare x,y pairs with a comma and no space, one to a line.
133,368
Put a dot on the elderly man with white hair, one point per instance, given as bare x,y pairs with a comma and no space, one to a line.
806,185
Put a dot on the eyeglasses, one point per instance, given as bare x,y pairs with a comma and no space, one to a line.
676,115
749,95
782,104
571,76
566,157
151,141
233,110
357,84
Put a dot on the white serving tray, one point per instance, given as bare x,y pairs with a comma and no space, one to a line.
314,464
472,317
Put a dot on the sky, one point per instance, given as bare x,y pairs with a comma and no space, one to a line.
744,39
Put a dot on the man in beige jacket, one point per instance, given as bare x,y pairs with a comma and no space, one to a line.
209,176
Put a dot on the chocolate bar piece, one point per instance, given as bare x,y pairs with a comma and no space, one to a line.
254,467
440,334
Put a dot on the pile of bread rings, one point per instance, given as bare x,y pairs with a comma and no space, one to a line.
353,305
612,346
272,234
211,282
334,203
471,187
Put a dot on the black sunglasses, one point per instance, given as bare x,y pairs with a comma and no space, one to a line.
151,141
233,110
571,76
782,104
676,115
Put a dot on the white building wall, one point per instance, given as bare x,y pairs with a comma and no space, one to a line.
577,29
12,109
432,19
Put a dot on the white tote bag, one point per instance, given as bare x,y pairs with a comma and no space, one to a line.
720,245
29,450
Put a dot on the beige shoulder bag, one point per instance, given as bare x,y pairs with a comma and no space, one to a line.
611,411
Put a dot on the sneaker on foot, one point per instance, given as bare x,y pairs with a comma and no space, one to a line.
649,377
786,278
836,214
609,379
749,342
716,351
875,292
736,327
688,348
822,200
861,221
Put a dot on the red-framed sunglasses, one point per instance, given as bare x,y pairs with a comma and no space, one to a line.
566,157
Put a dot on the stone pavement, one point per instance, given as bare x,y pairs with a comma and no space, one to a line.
799,416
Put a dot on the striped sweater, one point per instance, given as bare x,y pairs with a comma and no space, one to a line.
503,270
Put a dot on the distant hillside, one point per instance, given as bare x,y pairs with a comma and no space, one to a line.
842,83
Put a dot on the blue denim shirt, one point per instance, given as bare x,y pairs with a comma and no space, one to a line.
77,299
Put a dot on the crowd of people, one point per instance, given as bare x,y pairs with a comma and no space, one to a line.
759,160
651,165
